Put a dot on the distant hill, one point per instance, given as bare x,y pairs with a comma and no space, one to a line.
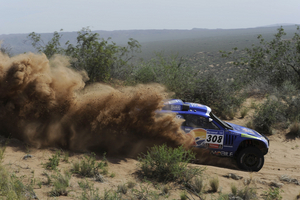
182,42
278,25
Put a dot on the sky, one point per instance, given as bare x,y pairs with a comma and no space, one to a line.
47,16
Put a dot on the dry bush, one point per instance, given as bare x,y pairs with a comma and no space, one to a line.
295,129
214,184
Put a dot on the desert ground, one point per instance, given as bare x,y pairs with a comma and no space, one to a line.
281,166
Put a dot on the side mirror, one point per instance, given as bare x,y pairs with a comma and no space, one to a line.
210,120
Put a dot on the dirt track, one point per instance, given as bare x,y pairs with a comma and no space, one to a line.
283,159
46,104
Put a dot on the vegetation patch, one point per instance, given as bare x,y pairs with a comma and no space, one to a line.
165,164
214,184
88,167
272,194
268,114
53,162
11,187
295,129
60,184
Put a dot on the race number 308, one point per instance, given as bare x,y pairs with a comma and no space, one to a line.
214,139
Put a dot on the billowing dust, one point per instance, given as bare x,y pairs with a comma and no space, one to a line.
45,103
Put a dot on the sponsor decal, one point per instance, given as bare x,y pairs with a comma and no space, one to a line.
215,137
247,130
199,136
179,117
174,101
248,136
175,107
209,139
222,153
215,146
197,105
225,146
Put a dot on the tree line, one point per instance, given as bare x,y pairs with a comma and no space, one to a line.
269,69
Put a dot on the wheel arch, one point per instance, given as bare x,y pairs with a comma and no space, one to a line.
252,143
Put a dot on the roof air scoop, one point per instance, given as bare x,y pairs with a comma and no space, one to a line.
185,107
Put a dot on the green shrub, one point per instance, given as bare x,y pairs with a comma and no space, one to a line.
88,167
165,189
272,194
196,184
84,185
280,108
104,171
268,115
101,59
214,184
49,180
295,129
110,195
53,162
247,193
171,71
144,191
60,184
230,114
244,112
90,193
223,97
122,188
66,157
275,61
131,184
163,163
12,188
2,150
145,74
233,189
183,195
293,107
258,88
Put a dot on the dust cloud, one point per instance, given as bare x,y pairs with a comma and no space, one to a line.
45,103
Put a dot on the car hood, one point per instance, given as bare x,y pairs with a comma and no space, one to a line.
244,130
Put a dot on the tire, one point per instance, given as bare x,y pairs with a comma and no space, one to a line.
250,159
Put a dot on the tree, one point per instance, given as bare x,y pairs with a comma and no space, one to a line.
49,49
5,50
277,60
172,72
100,58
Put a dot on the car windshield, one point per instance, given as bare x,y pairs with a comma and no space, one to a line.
222,123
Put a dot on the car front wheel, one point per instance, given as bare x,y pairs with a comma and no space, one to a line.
250,159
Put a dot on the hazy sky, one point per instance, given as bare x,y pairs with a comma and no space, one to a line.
25,16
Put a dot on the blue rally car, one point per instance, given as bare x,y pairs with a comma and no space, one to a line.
247,146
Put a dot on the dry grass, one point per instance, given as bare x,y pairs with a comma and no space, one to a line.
244,112
295,128
214,184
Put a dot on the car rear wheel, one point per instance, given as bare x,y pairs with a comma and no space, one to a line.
250,159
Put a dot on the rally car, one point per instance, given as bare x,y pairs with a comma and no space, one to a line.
247,146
